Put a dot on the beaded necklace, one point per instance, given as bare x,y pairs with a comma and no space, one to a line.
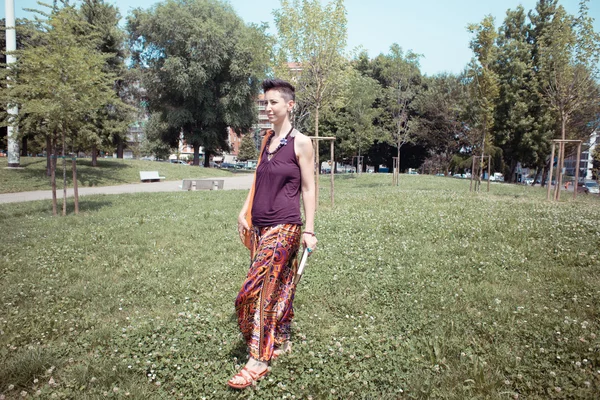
282,143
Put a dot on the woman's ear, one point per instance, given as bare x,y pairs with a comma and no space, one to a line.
291,105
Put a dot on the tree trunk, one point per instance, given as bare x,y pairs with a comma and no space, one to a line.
196,154
535,177
24,146
561,154
206,158
545,170
120,146
49,154
75,192
398,173
94,155
513,169
64,163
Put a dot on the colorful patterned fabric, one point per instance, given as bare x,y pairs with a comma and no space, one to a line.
264,304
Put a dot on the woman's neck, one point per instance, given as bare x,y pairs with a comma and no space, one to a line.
283,129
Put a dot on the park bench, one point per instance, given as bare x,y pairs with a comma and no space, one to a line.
202,184
150,176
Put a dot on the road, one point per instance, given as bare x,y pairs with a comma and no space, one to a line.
231,183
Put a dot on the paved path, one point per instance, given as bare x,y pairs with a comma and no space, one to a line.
234,182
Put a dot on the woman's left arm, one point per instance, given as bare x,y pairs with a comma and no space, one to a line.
306,160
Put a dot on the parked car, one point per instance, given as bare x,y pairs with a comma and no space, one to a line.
229,165
590,187
179,162
528,181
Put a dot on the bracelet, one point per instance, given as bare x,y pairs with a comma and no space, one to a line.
309,233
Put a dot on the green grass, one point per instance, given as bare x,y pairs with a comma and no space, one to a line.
420,291
108,172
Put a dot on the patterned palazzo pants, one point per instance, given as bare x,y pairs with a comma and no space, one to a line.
264,304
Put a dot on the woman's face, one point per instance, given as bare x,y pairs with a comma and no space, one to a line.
278,108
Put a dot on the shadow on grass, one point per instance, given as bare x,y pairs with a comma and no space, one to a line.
94,176
87,175
19,210
239,351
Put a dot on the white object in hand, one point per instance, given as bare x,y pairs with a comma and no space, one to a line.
302,265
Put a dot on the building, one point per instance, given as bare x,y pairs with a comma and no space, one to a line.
585,161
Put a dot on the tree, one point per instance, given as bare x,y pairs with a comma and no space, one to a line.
440,107
483,86
513,129
201,69
102,24
357,113
544,121
313,37
247,149
156,137
401,79
59,86
24,29
568,52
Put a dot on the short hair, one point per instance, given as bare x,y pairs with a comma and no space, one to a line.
285,88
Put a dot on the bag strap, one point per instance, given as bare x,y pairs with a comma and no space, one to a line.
262,148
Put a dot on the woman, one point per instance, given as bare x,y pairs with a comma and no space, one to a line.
264,304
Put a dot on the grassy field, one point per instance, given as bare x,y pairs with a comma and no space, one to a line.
108,172
423,291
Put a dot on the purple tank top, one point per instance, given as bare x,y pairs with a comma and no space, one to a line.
277,190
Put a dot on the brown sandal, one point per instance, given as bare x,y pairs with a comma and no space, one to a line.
250,378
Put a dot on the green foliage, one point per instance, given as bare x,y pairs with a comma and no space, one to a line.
513,116
446,294
596,160
102,25
201,67
313,36
247,148
59,81
440,107
356,131
569,53
483,85
157,138
401,78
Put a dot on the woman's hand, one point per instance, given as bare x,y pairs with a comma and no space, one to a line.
242,227
309,241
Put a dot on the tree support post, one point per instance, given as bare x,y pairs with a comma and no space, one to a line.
550,171
472,174
396,171
359,163
315,140
489,169
559,166
578,161
476,171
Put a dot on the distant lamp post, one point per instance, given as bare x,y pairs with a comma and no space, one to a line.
14,160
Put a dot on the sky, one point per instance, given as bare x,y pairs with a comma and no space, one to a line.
436,29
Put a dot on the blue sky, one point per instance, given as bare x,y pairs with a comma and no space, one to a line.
434,28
